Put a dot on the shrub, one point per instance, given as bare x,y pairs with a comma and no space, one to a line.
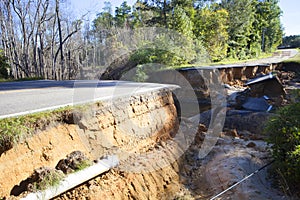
284,135
3,66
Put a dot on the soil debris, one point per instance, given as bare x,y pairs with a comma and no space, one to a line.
72,162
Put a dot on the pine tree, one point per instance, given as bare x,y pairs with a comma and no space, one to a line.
268,24
122,15
182,23
241,18
211,27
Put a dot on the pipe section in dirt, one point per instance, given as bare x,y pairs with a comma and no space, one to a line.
75,179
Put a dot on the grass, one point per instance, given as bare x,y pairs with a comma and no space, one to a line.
11,131
84,164
293,60
16,129
234,61
53,178
224,62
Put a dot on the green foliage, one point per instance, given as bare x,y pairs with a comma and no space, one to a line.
12,131
3,66
52,178
16,129
293,60
211,26
141,74
235,29
292,41
241,18
268,24
182,23
122,14
284,135
170,49
187,6
103,21
84,164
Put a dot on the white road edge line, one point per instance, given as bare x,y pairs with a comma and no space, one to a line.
171,87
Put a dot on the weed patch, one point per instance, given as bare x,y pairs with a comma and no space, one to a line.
50,179
284,135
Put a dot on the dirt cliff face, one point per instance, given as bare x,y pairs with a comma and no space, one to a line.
118,185
122,127
137,178
43,149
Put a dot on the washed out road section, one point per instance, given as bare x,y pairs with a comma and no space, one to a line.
20,98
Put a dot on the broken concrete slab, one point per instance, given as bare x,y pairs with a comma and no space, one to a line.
257,104
241,120
261,93
268,85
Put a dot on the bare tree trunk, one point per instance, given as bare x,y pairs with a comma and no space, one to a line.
41,58
62,60
34,37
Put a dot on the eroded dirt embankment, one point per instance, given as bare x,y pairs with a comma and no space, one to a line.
236,155
154,164
121,127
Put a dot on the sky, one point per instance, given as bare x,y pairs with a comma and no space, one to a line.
290,18
94,6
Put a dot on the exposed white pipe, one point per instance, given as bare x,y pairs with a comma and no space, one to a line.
75,179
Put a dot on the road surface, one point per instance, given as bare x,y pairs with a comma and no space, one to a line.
19,98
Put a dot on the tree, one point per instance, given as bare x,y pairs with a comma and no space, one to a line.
211,27
241,18
31,31
181,22
187,6
159,11
284,134
292,41
40,39
137,17
122,15
268,24
3,66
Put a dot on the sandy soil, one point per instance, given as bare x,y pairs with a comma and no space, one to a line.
230,160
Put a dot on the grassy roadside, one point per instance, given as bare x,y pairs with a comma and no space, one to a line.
235,61
293,60
223,62
16,129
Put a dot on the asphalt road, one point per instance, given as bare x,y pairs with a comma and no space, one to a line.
277,57
19,98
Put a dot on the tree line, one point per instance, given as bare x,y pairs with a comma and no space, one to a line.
39,39
292,41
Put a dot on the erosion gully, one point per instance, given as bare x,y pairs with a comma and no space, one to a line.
156,137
